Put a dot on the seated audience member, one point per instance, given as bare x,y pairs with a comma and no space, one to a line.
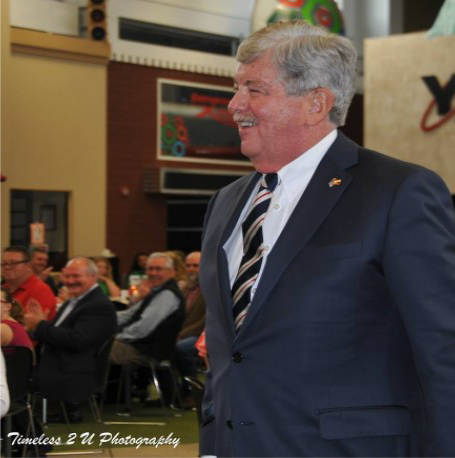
180,271
138,323
39,259
185,352
105,280
23,283
13,332
70,342
137,268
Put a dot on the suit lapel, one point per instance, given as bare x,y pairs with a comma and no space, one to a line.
314,206
61,309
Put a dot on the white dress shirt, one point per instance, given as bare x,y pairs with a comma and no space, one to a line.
293,179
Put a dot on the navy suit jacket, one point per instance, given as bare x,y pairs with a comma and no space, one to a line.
348,348
66,367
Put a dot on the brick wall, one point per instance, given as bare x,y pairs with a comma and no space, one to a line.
137,222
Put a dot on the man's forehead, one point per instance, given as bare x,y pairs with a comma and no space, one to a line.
193,257
12,255
75,269
40,255
156,262
71,270
250,80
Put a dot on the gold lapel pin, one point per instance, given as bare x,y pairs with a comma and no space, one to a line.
334,182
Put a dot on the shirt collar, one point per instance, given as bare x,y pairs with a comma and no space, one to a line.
290,175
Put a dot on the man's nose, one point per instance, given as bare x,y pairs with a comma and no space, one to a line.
237,103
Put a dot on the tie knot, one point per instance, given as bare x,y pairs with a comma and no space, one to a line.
269,181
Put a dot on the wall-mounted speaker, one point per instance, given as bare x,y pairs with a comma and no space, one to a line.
97,20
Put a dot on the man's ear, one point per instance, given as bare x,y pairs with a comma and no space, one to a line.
321,101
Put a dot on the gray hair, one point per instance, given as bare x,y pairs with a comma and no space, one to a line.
159,254
90,265
307,57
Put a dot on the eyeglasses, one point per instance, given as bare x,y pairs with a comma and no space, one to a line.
12,263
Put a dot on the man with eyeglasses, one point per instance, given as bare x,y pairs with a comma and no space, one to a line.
23,283
138,323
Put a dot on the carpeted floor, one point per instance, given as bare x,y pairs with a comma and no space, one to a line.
183,450
147,432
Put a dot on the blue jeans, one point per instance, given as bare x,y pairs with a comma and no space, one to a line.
185,358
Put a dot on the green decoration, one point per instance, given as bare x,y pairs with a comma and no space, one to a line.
322,13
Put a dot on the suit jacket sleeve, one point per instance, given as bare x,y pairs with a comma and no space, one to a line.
419,265
207,438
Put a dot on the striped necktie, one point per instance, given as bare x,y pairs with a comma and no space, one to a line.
253,247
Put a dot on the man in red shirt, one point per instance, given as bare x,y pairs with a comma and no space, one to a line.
23,284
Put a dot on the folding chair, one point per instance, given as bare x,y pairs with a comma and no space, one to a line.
101,375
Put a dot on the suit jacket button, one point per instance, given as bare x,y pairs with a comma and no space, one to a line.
230,424
237,357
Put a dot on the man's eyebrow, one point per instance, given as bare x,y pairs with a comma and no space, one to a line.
249,83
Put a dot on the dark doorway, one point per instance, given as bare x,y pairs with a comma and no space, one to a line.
47,207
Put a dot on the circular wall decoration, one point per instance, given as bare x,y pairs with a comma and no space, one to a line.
322,13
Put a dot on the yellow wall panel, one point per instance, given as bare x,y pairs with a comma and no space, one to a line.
54,138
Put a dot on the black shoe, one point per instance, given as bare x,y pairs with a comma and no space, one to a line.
74,416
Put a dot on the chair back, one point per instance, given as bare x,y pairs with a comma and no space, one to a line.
102,365
19,365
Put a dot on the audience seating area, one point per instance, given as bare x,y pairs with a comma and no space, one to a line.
106,423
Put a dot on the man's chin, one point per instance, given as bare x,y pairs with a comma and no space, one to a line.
74,291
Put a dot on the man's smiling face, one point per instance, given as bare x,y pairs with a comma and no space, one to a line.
269,121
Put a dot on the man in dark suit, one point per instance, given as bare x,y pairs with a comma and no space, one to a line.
69,342
328,275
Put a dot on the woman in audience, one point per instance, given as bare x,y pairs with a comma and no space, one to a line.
180,269
13,332
137,268
105,280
